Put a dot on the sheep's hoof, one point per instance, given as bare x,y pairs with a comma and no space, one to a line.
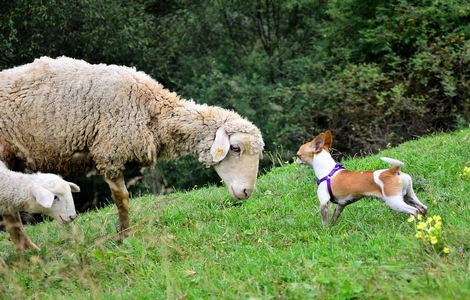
123,234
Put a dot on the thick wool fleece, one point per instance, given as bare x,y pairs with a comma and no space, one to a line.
61,115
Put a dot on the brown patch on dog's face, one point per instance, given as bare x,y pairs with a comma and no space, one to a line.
308,150
305,154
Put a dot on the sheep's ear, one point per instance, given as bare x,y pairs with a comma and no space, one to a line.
75,188
221,145
318,142
43,196
328,140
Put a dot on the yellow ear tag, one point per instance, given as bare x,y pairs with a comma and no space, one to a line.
218,152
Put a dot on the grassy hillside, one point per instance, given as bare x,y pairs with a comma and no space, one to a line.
200,245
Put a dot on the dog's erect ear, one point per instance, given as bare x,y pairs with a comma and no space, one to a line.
221,145
328,140
318,142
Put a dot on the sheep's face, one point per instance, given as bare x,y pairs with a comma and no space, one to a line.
237,163
53,197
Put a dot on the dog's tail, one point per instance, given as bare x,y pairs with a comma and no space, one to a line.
396,164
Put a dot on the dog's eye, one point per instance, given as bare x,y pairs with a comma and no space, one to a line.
235,148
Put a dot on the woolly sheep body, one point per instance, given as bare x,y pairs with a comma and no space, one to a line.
53,116
63,115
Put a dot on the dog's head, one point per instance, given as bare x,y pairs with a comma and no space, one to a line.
307,151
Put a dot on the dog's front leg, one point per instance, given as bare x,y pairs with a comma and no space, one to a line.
324,198
338,210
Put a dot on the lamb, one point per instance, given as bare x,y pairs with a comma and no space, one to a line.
35,193
66,115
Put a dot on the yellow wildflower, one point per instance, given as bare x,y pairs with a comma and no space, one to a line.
437,218
438,225
421,225
419,234
411,218
466,172
433,240
420,217
446,250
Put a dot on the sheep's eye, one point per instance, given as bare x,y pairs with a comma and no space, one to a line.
56,198
235,148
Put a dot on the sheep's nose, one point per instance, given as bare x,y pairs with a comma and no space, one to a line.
247,193
241,193
72,218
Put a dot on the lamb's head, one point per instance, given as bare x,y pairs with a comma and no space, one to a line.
53,197
236,151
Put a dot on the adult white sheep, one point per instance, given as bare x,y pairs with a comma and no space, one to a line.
37,193
60,115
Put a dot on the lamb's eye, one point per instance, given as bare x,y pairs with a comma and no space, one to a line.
235,148
56,198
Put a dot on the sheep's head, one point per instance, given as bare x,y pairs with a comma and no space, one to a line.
53,197
236,155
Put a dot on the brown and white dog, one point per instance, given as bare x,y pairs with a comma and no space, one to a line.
344,187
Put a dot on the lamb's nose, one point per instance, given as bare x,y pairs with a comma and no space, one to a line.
72,218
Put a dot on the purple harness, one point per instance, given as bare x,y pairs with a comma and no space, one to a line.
328,180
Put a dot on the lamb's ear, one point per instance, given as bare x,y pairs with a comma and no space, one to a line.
43,196
221,145
318,142
328,140
75,188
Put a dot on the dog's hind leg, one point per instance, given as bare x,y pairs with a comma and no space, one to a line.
398,204
411,196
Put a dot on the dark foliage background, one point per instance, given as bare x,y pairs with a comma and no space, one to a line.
375,72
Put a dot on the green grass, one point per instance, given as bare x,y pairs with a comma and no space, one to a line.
199,245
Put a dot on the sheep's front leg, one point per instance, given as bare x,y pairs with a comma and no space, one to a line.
18,236
121,198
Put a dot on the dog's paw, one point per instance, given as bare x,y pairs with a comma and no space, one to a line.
423,210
